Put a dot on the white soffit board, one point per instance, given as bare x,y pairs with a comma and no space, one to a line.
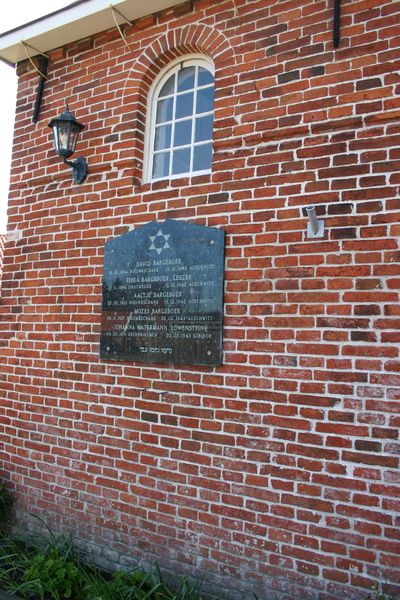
74,22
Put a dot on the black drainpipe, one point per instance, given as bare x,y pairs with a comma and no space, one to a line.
336,23
43,64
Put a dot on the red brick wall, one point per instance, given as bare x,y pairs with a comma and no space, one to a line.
2,237
278,470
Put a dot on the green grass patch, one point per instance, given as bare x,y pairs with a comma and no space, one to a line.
50,569
5,504
378,594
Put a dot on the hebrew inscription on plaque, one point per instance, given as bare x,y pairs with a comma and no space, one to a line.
163,295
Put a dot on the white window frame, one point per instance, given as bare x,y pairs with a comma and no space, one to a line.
173,66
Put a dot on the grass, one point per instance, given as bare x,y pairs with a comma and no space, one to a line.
5,503
39,568
50,569
379,594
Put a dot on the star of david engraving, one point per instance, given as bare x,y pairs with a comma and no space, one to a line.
159,242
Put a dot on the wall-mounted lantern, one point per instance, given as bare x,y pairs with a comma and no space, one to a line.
66,131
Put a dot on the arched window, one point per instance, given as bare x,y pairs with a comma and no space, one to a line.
181,121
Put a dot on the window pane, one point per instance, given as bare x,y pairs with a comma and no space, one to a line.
164,110
181,161
182,122
205,77
202,157
186,79
204,127
184,105
163,137
161,165
205,100
183,133
168,87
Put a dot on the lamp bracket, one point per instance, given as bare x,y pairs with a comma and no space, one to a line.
315,232
315,226
80,168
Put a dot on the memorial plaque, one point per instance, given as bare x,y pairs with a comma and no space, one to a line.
163,295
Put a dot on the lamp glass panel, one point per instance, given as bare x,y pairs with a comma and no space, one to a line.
73,137
63,137
55,138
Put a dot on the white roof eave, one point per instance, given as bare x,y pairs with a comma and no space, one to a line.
72,23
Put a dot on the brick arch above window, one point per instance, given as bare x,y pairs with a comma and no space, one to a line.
200,39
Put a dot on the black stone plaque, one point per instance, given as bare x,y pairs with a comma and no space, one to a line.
163,295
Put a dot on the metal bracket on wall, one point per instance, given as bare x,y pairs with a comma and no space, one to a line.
315,226
25,46
127,21
41,69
